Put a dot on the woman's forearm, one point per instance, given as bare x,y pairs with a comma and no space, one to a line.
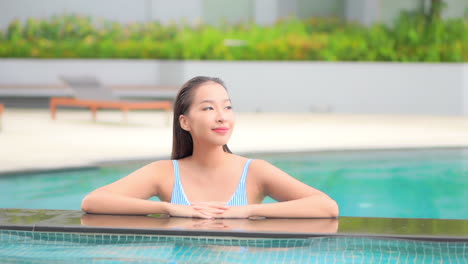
109,203
312,206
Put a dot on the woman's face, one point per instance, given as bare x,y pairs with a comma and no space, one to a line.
210,119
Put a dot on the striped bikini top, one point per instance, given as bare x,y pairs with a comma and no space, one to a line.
239,198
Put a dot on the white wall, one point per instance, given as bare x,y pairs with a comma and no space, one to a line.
392,88
465,88
175,10
363,11
263,17
211,11
124,11
46,72
119,10
381,88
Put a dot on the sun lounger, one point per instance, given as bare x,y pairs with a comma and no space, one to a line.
89,93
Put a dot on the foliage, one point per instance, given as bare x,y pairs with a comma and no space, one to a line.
412,38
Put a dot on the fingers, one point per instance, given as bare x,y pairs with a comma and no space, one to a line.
208,210
201,215
189,211
234,212
217,205
207,213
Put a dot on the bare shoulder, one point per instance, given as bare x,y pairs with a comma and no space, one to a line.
155,170
161,167
262,166
238,158
278,183
255,165
261,169
162,164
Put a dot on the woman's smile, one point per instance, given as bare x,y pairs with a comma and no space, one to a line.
221,130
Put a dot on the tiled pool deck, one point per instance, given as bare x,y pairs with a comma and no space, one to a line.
58,236
30,140
38,220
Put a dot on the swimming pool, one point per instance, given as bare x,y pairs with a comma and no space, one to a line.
65,236
50,247
425,183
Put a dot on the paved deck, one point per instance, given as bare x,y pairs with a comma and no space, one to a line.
30,140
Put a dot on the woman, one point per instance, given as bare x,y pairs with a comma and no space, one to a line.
204,179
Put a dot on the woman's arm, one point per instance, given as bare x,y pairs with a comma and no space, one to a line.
296,199
130,195
107,202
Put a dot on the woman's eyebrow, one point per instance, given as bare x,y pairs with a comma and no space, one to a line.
212,101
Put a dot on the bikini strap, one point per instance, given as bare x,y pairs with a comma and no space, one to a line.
245,172
240,195
178,194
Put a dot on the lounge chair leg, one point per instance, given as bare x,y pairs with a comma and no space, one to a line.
125,115
53,109
94,113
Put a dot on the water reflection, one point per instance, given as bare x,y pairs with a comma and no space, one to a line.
241,225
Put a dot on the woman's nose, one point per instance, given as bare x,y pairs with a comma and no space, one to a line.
220,117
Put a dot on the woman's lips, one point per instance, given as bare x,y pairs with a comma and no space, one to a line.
221,130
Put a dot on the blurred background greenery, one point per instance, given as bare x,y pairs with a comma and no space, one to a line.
414,36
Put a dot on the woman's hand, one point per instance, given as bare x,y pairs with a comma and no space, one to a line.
206,210
188,211
235,212
212,208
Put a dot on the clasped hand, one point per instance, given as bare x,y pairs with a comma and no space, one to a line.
209,210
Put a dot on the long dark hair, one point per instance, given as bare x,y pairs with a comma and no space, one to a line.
182,142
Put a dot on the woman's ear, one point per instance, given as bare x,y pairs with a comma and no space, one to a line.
184,123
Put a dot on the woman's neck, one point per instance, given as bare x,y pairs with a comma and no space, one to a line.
209,156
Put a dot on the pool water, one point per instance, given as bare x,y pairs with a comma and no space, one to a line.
403,183
43,247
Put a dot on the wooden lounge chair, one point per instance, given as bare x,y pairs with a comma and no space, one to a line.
89,93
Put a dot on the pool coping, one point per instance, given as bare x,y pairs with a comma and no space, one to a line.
214,233
58,221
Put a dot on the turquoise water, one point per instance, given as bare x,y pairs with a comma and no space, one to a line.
41,247
404,183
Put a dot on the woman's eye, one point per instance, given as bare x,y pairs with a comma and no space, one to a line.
208,108
229,107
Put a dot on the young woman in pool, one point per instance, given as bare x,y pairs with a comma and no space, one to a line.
204,179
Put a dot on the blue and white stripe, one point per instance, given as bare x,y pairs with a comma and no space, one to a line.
238,199
178,194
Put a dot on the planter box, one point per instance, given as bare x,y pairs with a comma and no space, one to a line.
380,88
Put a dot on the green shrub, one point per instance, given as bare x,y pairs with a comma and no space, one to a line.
412,38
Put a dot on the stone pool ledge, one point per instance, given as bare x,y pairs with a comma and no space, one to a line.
70,221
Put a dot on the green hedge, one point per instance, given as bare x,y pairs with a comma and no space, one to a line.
412,38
